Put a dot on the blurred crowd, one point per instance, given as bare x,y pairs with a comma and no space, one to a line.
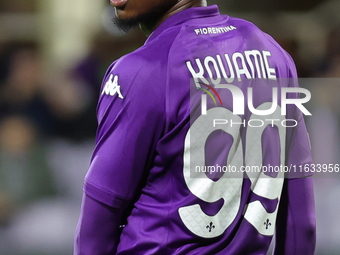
47,131
48,125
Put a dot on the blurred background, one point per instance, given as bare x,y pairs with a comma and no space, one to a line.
53,55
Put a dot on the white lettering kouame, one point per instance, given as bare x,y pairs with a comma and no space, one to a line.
250,64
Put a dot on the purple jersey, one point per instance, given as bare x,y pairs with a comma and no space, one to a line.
149,141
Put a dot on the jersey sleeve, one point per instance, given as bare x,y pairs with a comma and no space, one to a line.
130,121
298,148
295,226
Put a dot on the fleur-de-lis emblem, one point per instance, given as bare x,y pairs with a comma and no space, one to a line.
267,223
211,226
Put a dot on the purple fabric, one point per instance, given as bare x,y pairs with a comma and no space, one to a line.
144,113
98,228
295,233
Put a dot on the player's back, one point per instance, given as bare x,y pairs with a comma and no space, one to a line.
185,207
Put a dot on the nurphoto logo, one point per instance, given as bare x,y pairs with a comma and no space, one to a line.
239,99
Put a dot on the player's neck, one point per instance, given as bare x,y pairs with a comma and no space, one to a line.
149,27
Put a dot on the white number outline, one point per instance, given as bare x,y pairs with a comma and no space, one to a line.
229,189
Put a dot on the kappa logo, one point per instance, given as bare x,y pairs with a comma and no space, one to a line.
111,87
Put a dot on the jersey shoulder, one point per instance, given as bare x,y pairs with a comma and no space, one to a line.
138,79
276,47
144,67
151,56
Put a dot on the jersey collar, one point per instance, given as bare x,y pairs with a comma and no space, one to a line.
181,17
